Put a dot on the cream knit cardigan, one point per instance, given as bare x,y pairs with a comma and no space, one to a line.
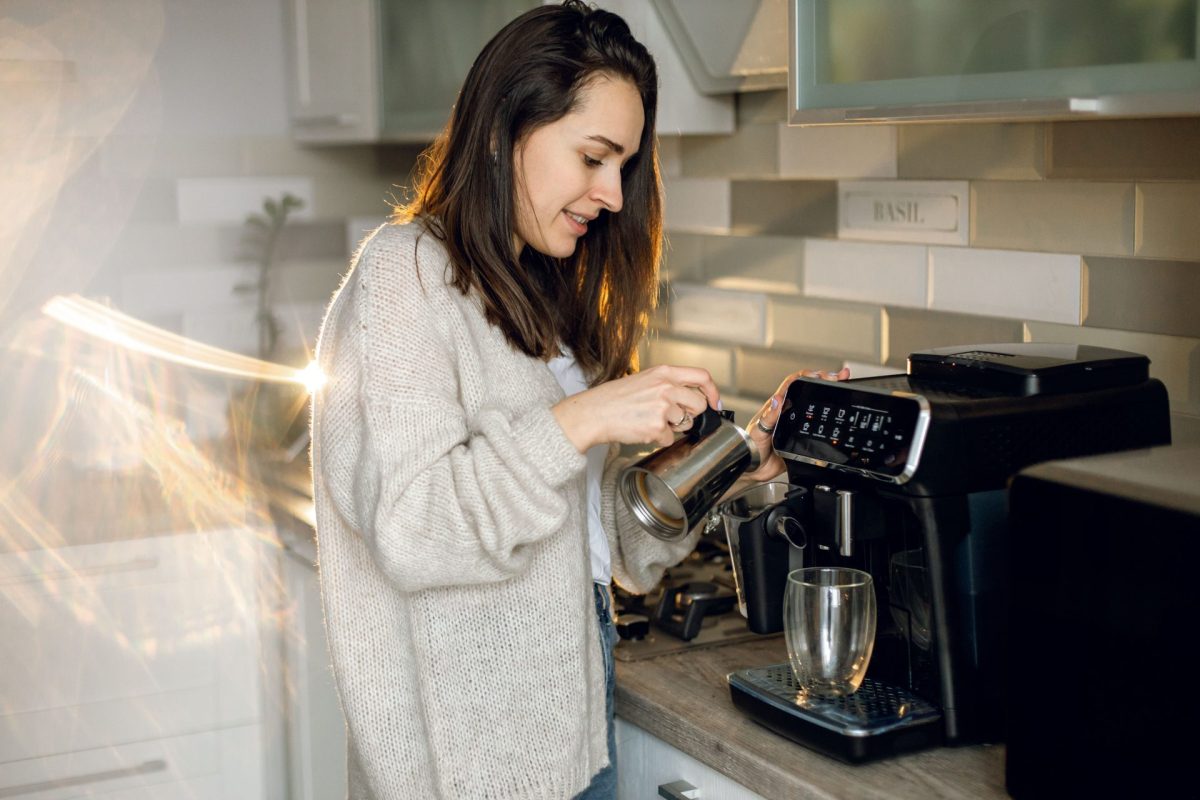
452,539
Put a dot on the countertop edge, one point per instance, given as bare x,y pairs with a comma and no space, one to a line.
683,699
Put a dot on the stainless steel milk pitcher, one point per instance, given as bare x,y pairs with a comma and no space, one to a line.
673,489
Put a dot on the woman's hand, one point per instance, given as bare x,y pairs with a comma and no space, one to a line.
762,424
649,406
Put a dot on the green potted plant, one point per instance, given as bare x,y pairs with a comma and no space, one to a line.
268,415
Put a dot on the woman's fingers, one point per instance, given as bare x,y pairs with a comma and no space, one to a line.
768,416
696,378
668,398
689,399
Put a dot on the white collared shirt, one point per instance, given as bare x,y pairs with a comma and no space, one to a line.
570,378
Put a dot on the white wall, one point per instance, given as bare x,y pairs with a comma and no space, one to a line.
187,131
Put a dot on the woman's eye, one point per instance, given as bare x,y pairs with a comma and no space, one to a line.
592,162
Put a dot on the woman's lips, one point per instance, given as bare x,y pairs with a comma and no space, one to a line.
580,228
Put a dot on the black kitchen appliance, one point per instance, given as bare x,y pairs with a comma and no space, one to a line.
1102,616
681,609
905,477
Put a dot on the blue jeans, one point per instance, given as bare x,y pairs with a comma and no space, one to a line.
604,783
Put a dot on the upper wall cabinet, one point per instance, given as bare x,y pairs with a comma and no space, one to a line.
682,107
390,70
384,70
730,47
874,61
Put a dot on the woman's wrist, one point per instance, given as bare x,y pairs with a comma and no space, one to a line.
577,425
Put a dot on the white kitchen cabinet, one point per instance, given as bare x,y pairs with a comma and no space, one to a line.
390,70
316,729
945,60
132,664
333,53
682,108
383,70
213,765
645,762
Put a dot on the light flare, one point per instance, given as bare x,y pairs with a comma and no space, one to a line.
110,325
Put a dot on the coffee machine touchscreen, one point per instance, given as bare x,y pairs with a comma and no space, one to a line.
869,431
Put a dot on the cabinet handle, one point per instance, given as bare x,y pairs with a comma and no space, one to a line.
339,120
303,74
678,790
133,565
145,768
977,109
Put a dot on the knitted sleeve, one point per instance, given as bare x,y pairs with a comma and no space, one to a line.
441,496
638,558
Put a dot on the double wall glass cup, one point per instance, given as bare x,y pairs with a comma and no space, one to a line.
829,625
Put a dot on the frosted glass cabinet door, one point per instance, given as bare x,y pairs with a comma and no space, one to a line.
427,48
869,60
333,60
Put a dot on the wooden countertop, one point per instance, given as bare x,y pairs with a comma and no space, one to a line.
684,700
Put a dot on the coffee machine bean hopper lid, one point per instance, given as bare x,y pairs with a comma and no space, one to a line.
1029,368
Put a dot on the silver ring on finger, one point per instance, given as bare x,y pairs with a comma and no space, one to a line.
758,422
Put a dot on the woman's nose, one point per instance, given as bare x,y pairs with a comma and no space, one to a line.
607,190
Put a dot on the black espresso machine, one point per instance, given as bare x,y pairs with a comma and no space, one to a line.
905,476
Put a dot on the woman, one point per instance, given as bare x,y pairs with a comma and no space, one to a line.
481,360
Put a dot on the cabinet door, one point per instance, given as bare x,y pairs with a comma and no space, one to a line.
428,46
333,53
215,765
112,647
946,60
645,762
316,729
682,109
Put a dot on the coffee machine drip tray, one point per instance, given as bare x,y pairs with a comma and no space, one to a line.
877,721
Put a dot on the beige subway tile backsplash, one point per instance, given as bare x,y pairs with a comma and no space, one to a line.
1168,218
1053,216
708,313
696,204
1185,429
228,327
344,195
909,330
759,107
1174,360
683,257
753,263
168,156
152,293
846,329
141,245
987,151
1148,295
837,151
750,152
714,358
793,208
759,372
882,274
279,155
670,155
1077,231
1006,283
1128,149
231,199
930,212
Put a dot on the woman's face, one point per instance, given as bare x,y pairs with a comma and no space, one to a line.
569,171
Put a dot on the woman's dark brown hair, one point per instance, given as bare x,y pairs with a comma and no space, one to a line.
598,300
